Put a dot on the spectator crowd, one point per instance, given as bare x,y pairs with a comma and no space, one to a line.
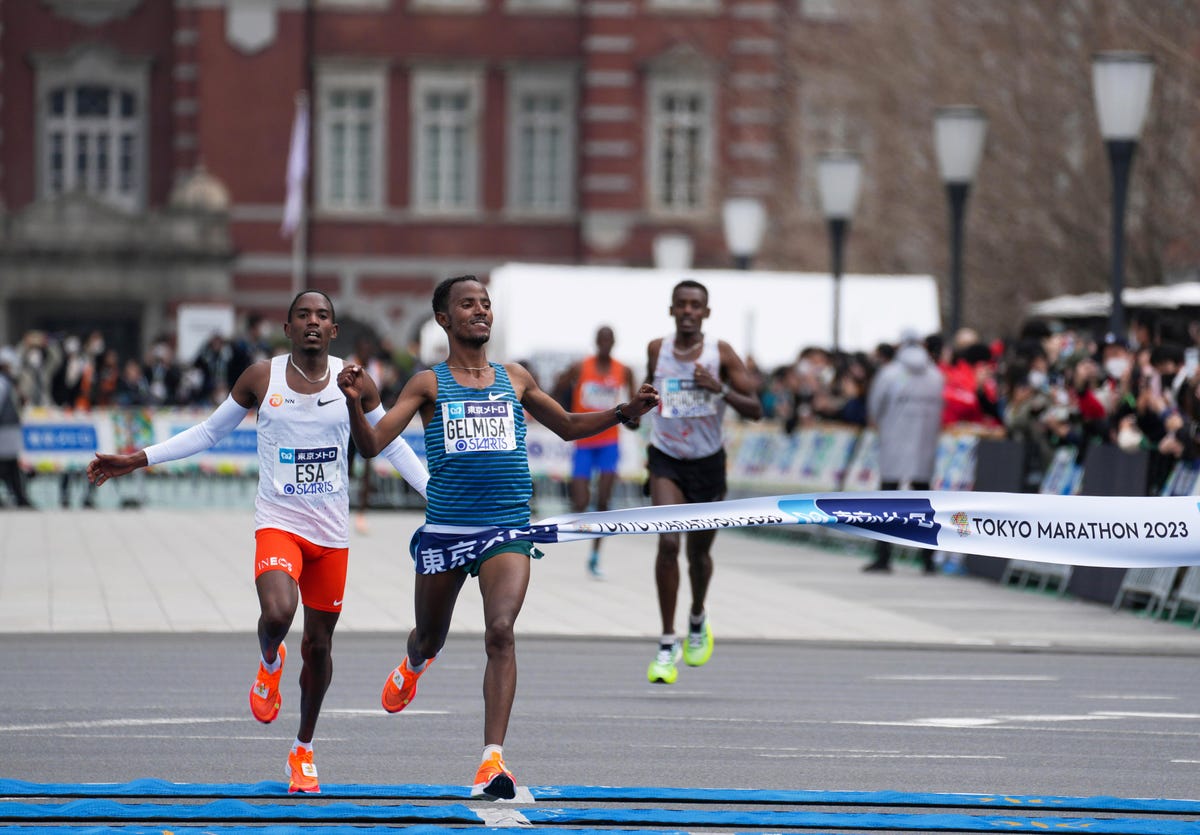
1049,386
70,371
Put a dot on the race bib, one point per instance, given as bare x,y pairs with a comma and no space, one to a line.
479,426
684,399
306,472
594,396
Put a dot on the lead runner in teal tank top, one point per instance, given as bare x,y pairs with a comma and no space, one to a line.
479,476
475,448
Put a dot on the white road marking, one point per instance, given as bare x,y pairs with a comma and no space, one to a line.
99,724
1133,714
969,721
881,756
963,678
96,724
493,813
378,711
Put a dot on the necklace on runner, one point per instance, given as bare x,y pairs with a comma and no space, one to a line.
320,379
685,352
469,367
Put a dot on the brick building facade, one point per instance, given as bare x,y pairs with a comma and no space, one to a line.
143,146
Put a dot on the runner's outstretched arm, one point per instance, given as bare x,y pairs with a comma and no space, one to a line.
224,419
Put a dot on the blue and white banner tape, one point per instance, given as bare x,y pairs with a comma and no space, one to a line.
1115,532
1119,532
1068,530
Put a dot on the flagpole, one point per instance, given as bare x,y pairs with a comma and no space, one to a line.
300,253
295,213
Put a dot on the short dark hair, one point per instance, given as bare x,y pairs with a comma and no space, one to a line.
1035,329
292,306
690,284
1167,352
975,354
441,293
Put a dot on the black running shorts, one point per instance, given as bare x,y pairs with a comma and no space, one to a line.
700,479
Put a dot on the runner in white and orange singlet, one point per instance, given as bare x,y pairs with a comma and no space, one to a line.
302,510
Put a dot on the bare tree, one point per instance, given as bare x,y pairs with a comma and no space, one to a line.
1039,215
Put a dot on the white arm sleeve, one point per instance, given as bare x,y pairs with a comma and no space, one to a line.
201,436
401,456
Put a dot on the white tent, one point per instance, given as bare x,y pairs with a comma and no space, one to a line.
1097,305
547,310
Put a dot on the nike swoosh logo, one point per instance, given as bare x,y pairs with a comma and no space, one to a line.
327,402
337,603
496,395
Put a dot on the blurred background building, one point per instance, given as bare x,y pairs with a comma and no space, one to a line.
144,145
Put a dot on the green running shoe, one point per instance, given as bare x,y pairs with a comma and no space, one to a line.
662,669
698,647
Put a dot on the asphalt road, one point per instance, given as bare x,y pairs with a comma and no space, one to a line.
762,714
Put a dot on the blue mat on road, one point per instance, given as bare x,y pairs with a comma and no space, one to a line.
238,811
325,830
150,788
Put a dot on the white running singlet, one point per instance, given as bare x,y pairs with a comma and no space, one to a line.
687,422
302,470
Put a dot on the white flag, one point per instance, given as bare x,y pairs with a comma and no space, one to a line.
297,169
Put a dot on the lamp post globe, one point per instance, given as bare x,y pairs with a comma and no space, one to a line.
959,132
1121,83
672,251
745,221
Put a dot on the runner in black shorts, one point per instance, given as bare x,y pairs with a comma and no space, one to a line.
699,479
696,378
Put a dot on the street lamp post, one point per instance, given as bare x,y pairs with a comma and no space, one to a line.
839,179
745,221
1121,82
958,134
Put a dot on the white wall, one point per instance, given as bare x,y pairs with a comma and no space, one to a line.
547,309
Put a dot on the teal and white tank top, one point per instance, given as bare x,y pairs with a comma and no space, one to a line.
688,421
475,449
302,473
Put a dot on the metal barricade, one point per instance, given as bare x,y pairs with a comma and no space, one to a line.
1153,585
1041,574
1187,595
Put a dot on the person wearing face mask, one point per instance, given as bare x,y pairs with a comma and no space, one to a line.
1117,364
163,375
64,382
37,361
1027,396
93,350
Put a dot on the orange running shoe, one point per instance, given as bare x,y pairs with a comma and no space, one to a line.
401,687
264,695
493,780
302,774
